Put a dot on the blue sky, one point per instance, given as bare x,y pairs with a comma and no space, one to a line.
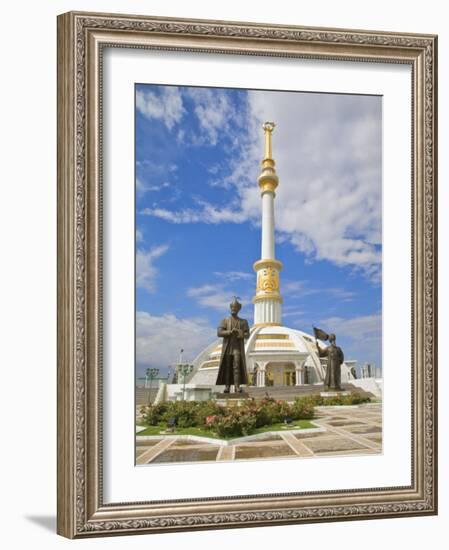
198,154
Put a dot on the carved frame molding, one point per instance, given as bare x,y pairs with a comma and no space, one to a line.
81,39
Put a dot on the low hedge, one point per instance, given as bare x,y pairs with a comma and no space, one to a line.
242,419
184,414
226,421
354,398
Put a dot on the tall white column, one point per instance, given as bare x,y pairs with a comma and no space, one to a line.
268,300
268,225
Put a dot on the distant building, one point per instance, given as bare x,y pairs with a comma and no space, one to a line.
368,371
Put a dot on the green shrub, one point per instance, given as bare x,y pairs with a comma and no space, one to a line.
206,409
234,424
226,426
153,414
271,411
303,409
256,411
227,421
183,413
354,398
248,423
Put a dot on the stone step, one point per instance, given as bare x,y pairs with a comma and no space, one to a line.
143,396
290,392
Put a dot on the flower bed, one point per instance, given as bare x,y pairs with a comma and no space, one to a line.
239,420
226,421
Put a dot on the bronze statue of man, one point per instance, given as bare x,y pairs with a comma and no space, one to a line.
335,358
232,368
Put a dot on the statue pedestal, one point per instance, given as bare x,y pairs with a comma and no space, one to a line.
230,399
334,393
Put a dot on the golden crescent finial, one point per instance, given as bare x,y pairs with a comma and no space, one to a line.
268,127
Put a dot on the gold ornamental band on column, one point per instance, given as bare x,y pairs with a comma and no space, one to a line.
263,297
268,179
267,280
267,262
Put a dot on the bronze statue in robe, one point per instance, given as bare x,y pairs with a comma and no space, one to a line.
335,358
232,367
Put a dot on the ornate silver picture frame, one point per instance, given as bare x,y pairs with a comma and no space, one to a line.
83,510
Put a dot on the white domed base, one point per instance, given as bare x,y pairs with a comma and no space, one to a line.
276,355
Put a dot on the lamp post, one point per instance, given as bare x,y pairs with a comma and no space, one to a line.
184,369
151,375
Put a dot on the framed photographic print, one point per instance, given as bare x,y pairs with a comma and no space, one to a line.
246,274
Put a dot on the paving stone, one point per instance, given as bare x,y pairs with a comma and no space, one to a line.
377,438
152,452
351,452
268,438
226,452
296,445
312,435
140,450
354,431
344,422
364,429
189,443
265,451
187,455
332,444
148,442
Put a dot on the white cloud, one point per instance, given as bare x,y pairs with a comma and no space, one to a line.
166,106
341,293
235,275
180,137
302,288
146,271
212,296
364,334
140,186
328,155
214,112
155,176
293,311
294,287
206,213
144,187
159,338
367,327
218,296
327,149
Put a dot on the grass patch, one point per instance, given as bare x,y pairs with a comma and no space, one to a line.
161,429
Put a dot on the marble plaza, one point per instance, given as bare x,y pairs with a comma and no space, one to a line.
355,430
